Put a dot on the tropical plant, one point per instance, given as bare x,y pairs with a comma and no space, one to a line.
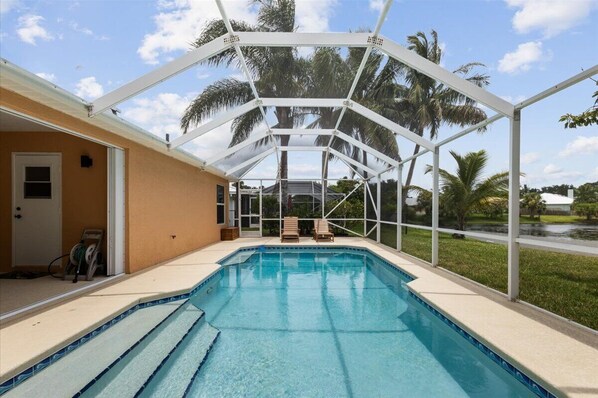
584,119
276,72
424,202
587,193
587,210
493,207
534,203
466,189
424,104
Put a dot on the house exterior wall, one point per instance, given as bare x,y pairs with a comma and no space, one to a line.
164,196
84,190
558,207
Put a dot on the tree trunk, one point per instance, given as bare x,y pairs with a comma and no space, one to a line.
410,173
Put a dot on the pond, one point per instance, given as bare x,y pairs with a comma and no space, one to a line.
557,231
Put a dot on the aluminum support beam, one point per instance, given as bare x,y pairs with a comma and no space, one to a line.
249,162
350,166
435,205
392,126
158,75
349,160
399,207
410,158
468,130
302,148
365,207
301,39
559,87
304,102
344,199
513,234
379,205
212,124
374,203
235,148
421,64
367,148
316,132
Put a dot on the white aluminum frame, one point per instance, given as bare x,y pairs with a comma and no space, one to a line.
369,41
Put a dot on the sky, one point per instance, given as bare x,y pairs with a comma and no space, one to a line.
92,47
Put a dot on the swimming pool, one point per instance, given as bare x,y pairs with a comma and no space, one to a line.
330,322
282,321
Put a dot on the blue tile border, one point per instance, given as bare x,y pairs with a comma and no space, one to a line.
532,385
39,366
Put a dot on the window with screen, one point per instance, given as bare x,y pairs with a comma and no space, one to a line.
220,204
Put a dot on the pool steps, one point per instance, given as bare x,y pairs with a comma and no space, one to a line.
69,375
178,370
132,371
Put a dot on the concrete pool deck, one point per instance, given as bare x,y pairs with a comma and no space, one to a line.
565,360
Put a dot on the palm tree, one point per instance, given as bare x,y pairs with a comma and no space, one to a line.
332,78
276,71
425,104
466,189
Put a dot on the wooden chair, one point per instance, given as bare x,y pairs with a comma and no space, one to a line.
290,229
321,230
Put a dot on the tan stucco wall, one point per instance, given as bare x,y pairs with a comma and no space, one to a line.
84,200
164,196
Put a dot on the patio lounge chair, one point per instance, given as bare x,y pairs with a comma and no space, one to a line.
322,231
290,229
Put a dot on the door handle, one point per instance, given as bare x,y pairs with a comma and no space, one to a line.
18,216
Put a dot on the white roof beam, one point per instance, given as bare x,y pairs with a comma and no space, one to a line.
236,148
392,126
302,148
297,39
250,161
304,102
212,124
367,148
302,131
158,75
435,71
351,161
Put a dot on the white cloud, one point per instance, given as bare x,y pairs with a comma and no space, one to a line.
530,157
376,5
581,146
81,29
88,88
29,29
160,114
51,77
180,22
313,16
8,5
514,100
549,16
552,169
522,59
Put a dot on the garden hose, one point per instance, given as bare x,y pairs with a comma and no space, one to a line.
77,257
52,262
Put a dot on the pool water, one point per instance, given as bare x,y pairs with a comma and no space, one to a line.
330,323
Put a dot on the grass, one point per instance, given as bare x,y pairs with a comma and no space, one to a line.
566,284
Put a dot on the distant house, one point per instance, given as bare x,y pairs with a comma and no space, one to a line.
556,202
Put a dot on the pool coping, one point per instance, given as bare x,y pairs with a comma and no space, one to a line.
227,249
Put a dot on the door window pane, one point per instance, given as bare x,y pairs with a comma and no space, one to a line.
220,214
219,194
38,190
37,173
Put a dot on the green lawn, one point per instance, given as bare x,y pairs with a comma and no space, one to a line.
566,284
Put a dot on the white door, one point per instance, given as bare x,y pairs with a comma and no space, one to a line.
37,208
